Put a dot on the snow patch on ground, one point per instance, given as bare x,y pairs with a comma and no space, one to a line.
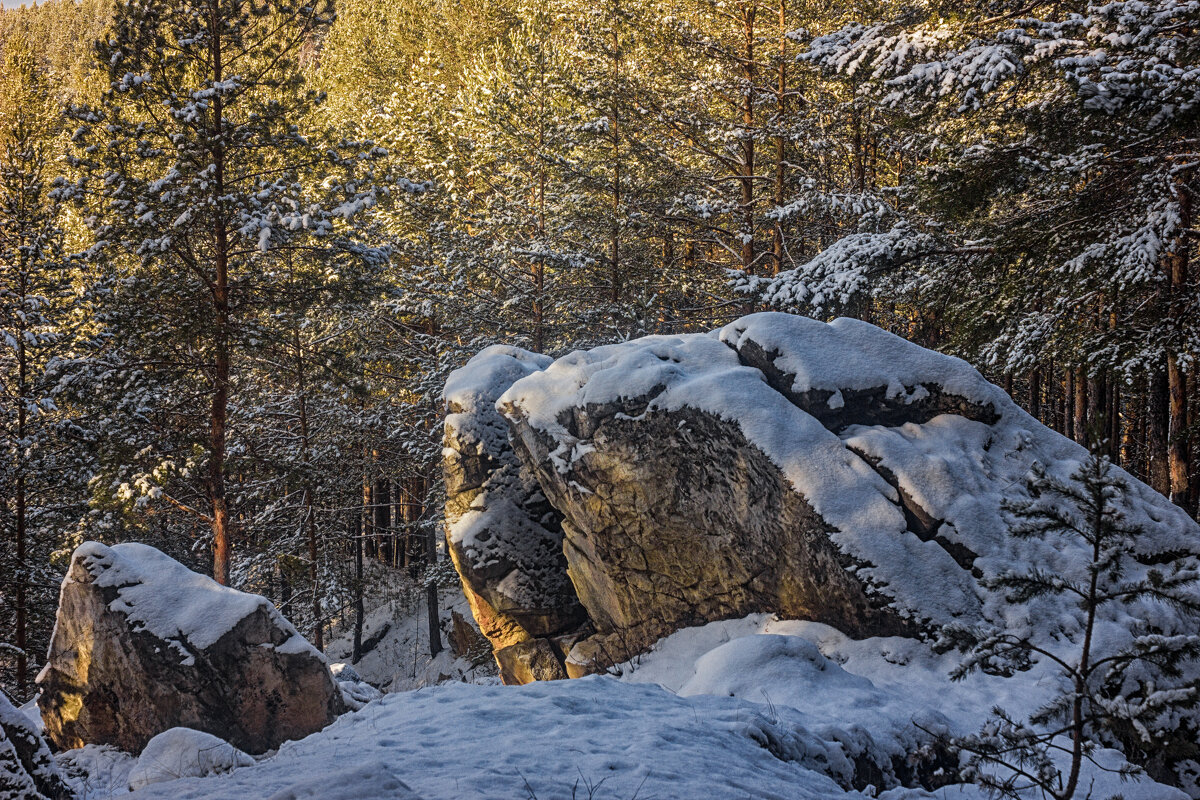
97,771
756,707
184,753
887,688
460,741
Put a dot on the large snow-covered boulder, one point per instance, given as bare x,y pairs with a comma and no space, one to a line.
142,644
828,472
504,536
27,769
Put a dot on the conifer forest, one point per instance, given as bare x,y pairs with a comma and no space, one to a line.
244,243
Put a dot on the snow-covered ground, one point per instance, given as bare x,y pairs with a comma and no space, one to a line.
397,630
752,708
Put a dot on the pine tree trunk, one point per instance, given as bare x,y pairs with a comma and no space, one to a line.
431,595
1081,406
1097,394
1114,421
1068,401
1177,442
381,499
1034,398
397,523
368,517
222,323
310,516
362,518
780,139
746,145
1194,484
1178,449
1158,426
22,576
615,132
356,524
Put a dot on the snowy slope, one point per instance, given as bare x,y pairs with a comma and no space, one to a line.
743,715
398,629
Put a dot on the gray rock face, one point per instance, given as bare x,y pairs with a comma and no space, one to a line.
711,532
829,472
27,769
504,537
142,644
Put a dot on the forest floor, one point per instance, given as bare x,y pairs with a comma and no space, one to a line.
751,708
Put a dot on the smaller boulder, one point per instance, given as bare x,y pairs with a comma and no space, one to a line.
531,660
142,644
185,753
27,769
356,692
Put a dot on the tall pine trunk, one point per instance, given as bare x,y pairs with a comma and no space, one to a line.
221,322
615,134
780,138
1081,406
1158,426
1177,437
310,517
431,596
22,576
746,145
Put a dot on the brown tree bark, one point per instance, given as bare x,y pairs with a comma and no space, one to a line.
1034,397
1068,403
20,501
310,516
222,323
746,144
356,535
1178,447
431,598
1158,426
1081,406
1114,421
615,134
1194,491
1097,392
381,501
780,139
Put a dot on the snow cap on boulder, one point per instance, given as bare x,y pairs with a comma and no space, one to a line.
825,471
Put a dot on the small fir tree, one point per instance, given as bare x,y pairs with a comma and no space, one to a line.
1128,691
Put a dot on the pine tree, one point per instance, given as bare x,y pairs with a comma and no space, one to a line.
1127,688
37,327
200,183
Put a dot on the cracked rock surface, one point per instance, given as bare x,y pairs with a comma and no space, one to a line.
503,535
827,472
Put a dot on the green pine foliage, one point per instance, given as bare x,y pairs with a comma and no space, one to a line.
1129,690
